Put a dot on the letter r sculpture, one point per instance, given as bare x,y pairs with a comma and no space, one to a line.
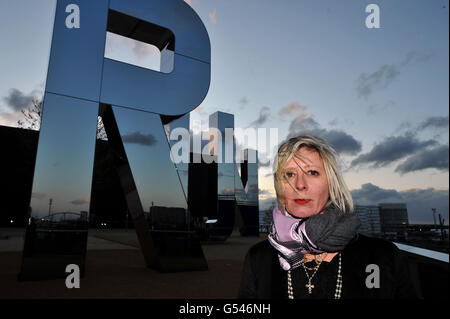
133,104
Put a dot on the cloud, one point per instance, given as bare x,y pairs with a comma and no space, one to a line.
434,158
124,49
293,108
252,189
370,194
139,138
304,123
333,122
10,118
435,122
378,79
336,122
81,201
212,16
264,160
226,191
415,57
386,74
418,201
342,142
301,123
263,116
406,126
391,149
243,102
143,50
376,108
302,118
264,192
264,163
17,100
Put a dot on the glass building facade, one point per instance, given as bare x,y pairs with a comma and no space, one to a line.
370,220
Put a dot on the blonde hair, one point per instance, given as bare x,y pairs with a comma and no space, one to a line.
339,195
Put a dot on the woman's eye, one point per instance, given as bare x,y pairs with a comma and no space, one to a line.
289,175
314,173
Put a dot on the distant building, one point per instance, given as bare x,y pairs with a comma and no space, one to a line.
370,220
394,219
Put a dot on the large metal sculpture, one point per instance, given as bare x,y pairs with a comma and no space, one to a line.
237,201
134,104
223,193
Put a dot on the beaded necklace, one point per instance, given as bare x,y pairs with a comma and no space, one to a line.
338,291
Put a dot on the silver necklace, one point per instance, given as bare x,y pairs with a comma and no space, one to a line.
338,291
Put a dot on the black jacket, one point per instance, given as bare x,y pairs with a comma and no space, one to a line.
261,274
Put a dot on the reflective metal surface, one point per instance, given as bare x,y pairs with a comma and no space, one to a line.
225,171
246,187
80,80
176,16
171,94
237,182
131,86
76,58
57,231
139,42
202,192
78,68
225,177
139,139
225,186
65,156
249,176
148,153
182,167
250,220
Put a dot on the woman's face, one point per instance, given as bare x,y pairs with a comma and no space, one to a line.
306,174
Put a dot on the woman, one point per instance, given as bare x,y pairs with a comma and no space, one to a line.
314,250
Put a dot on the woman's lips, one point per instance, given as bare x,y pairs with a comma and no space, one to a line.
302,201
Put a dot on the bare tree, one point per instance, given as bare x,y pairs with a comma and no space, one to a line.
32,116
101,133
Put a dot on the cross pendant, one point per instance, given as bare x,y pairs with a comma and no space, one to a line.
310,287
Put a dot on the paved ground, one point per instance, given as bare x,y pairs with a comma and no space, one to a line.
115,268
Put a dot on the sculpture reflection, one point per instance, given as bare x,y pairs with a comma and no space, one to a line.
138,139
214,204
57,232
246,187
182,167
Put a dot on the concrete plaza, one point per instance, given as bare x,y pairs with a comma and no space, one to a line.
115,268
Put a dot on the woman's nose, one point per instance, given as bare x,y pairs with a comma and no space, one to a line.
301,182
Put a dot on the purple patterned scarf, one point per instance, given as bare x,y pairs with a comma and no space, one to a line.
294,237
